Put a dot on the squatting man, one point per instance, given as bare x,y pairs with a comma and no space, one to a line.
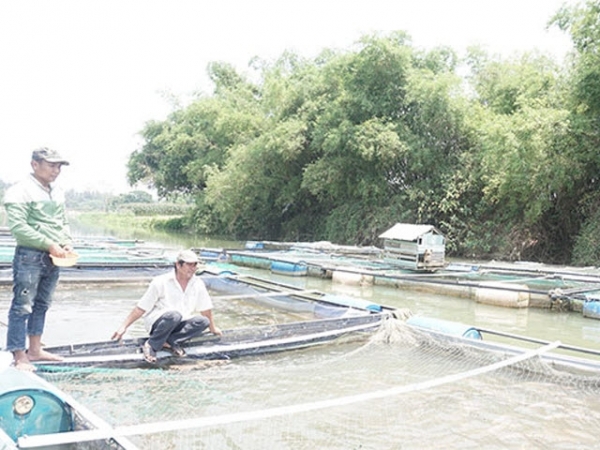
168,308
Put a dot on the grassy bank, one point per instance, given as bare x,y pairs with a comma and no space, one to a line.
123,222
144,228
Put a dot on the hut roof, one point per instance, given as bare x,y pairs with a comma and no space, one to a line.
407,231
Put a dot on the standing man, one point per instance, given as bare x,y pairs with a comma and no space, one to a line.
168,308
37,220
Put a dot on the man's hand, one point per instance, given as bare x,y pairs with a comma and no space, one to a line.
57,251
118,335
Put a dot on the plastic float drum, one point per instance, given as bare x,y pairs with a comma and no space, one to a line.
250,261
503,294
445,326
28,407
352,278
294,269
591,309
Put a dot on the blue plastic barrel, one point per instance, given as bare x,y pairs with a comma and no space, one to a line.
29,407
445,326
289,268
250,261
591,309
209,254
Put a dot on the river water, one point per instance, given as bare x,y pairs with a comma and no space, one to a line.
511,409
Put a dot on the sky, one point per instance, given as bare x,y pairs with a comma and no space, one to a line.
84,76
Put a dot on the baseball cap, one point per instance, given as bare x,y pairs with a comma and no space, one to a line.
187,256
46,154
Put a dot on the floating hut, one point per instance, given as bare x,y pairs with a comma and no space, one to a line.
416,247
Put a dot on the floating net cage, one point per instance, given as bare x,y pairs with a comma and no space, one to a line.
399,388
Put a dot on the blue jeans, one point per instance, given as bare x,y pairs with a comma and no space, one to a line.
171,329
34,281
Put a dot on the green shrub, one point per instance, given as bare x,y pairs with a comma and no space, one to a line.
154,209
586,251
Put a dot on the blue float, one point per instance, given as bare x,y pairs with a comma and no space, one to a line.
209,254
591,309
296,269
445,326
29,407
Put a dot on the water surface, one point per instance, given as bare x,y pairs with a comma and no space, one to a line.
517,407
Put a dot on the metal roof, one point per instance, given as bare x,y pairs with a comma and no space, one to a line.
407,231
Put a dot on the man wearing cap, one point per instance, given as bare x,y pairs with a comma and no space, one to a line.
168,308
37,220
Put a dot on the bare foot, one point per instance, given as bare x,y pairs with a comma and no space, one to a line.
43,355
22,362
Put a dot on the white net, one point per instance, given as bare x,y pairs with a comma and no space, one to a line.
426,393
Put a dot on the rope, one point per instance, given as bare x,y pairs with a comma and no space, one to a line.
159,427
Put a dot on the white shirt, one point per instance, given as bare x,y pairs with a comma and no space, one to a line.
165,294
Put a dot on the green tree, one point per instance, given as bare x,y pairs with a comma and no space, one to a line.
88,200
373,133
178,151
520,118
582,22
135,197
342,146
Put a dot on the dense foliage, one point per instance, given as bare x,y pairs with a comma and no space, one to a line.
504,161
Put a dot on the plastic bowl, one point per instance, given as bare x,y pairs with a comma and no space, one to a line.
68,261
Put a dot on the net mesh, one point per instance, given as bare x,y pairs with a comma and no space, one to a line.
369,394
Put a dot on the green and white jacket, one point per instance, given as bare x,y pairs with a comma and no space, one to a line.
37,217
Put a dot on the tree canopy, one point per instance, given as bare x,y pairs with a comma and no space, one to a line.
340,147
